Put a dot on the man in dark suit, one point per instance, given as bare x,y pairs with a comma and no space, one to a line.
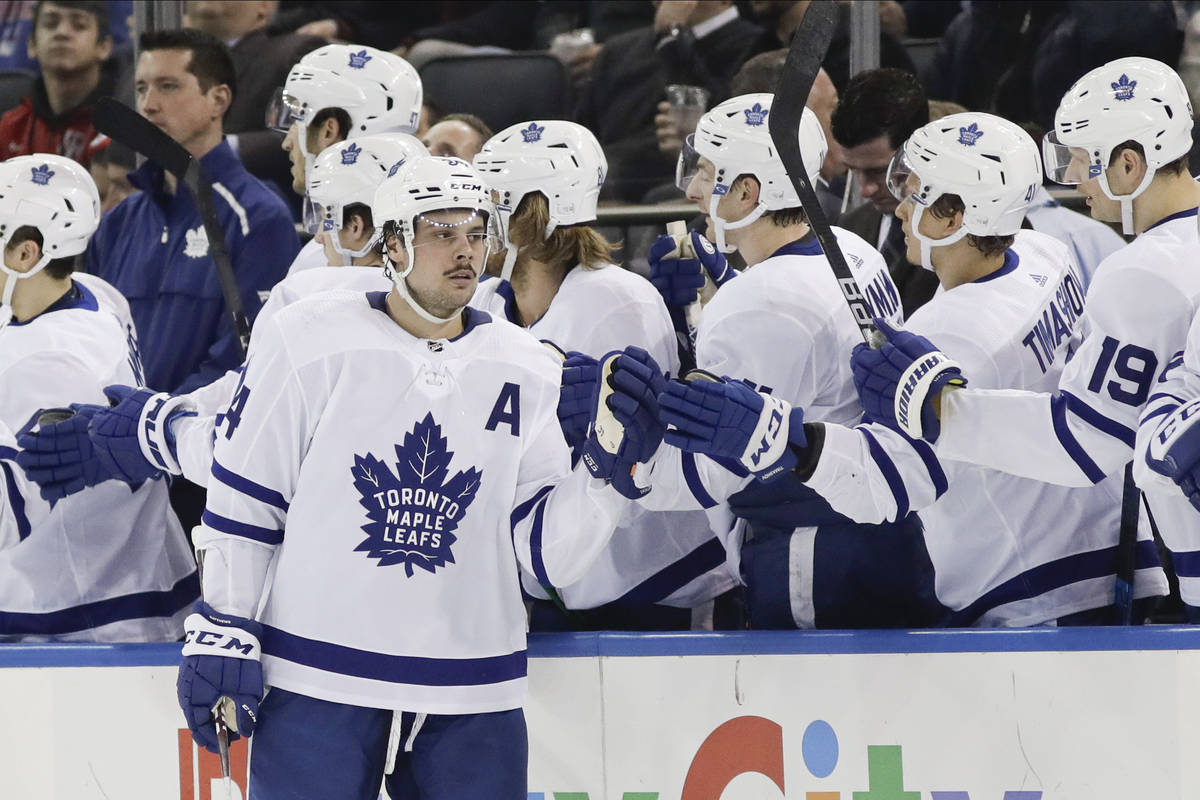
878,111
261,62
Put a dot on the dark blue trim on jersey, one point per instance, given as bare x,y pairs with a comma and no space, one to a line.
1054,575
932,465
1160,395
140,605
1191,212
8,454
410,670
473,316
249,488
890,474
1058,416
1158,412
672,578
535,537
15,499
1122,433
377,301
1186,563
78,296
246,531
806,245
1011,260
505,290
691,475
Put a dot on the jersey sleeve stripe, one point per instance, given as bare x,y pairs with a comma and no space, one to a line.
1161,411
1091,416
412,670
1154,398
248,487
934,467
535,545
235,528
1058,414
1186,563
890,474
692,476
522,511
8,454
670,579
16,501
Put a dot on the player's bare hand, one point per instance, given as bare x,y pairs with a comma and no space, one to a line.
666,128
673,12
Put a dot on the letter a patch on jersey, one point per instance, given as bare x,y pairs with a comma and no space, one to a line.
414,511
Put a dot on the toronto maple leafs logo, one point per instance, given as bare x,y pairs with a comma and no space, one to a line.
414,511
1124,87
350,154
42,174
756,114
359,60
396,167
533,133
970,134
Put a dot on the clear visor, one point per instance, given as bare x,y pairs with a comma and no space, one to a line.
284,111
688,164
318,218
902,181
1067,165
448,230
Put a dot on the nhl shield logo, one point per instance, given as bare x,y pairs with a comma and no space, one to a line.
533,133
350,154
412,513
42,174
970,135
1124,87
359,60
756,115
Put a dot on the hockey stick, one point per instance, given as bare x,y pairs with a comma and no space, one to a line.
123,124
809,44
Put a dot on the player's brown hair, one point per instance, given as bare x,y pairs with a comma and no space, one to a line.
58,268
948,205
567,245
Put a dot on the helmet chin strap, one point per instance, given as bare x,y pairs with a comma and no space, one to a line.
720,225
348,254
400,279
928,244
1126,200
10,285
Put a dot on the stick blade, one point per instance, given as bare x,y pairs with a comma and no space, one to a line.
121,123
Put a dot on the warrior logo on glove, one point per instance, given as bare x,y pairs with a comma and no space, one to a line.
414,511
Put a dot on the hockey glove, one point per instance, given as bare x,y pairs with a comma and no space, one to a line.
729,420
624,425
679,279
133,439
221,659
1174,449
59,457
896,382
581,374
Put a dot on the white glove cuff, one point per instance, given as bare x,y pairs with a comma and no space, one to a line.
770,437
913,388
203,637
152,430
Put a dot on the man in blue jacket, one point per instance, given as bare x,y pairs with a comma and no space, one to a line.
152,246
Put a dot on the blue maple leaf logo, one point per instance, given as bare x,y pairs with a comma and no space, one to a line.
42,174
350,154
414,511
533,133
1124,87
359,60
970,135
396,167
756,114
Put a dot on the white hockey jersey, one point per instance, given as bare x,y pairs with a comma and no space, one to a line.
784,326
671,557
109,563
311,256
1141,303
383,483
999,557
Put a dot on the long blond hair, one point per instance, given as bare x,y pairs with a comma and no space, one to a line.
566,246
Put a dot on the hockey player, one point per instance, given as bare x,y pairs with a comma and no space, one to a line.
110,563
146,434
558,282
1122,133
780,326
384,456
964,183
1168,440
339,92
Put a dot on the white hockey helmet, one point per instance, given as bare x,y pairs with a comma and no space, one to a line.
433,183
1130,99
349,172
53,194
379,90
735,138
990,163
560,159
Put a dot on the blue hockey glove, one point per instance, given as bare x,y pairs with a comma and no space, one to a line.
729,420
895,382
679,279
624,427
133,439
221,659
1174,449
59,457
581,374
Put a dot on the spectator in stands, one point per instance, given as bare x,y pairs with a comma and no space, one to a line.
152,246
261,62
698,43
16,28
458,135
878,111
70,40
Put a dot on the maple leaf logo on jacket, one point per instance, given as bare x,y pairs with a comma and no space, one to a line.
415,510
